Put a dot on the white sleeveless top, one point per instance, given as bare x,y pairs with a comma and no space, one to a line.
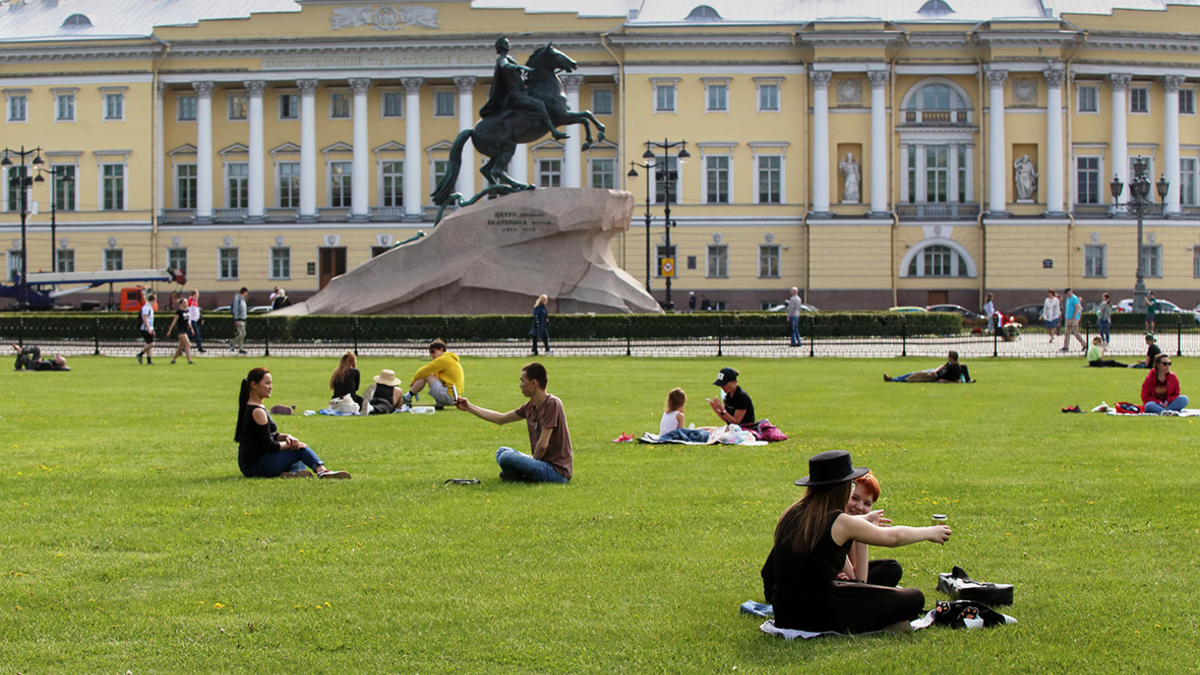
668,422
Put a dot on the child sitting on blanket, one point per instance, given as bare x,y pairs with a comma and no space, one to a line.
673,418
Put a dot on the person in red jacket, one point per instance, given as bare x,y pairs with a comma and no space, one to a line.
1160,391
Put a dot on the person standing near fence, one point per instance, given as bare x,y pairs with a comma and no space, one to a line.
146,328
1072,315
1151,310
1051,313
239,321
540,330
1104,318
794,304
193,308
989,310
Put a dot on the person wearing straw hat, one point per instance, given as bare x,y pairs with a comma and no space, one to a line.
384,396
812,540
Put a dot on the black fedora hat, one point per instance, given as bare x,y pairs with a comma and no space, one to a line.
831,467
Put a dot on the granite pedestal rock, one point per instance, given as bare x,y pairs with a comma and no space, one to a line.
497,257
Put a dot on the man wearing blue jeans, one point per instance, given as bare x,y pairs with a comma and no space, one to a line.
794,305
549,438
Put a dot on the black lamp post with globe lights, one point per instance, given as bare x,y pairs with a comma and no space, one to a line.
633,167
1139,202
668,178
60,178
23,182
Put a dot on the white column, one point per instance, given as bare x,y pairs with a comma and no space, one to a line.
573,152
257,200
308,148
969,174
520,164
903,174
920,177
820,144
879,142
466,120
160,160
360,205
204,150
1171,142
1120,148
952,167
1054,141
997,164
413,153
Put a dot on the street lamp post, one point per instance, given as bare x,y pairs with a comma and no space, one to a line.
23,181
1139,202
63,179
634,174
668,178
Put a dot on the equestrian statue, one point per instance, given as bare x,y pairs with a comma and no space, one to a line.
524,104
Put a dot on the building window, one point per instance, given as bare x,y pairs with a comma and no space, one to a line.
177,258
227,263
238,194
602,102
64,260
1094,258
1139,99
114,106
1152,260
663,252
666,175
14,265
185,186
1196,262
393,104
1089,99
440,167
768,261
238,104
64,107
768,97
281,262
18,108
1187,181
289,106
718,97
664,97
691,262
1087,178
339,184
393,183
937,261
549,173
113,177
15,175
443,104
1187,101
114,260
937,173
289,185
185,108
64,187
339,105
718,261
604,173
770,179
716,180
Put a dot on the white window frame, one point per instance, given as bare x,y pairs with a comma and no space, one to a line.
221,276
244,179
1196,262
592,173
708,259
1187,181
539,173
1103,195
180,105
287,94
113,93
612,101
713,85
758,155
671,83
279,185
74,191
450,95
1089,273
1156,251
118,258
661,163
175,263
61,95
1129,106
275,257
662,251
60,258
175,184
1190,95
384,94
399,182
13,266
9,96
1095,89
125,178
347,190
335,95
762,248
760,84
729,174
232,96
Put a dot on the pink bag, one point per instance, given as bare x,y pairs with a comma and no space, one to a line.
765,431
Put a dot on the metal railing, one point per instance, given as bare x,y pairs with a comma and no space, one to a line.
937,118
937,211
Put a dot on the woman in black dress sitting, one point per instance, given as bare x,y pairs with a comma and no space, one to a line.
345,379
262,450
811,542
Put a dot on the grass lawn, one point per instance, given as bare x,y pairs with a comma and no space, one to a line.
131,542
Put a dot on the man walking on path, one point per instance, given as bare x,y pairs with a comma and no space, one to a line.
193,308
794,304
1072,314
146,328
239,321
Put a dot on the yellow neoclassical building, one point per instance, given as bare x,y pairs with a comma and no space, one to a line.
904,152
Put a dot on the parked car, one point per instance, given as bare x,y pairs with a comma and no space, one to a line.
803,308
956,309
257,309
1026,314
1164,307
906,309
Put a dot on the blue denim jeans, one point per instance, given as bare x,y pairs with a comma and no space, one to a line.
794,321
1176,405
526,467
1104,326
276,463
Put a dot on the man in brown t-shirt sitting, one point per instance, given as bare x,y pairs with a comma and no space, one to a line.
549,438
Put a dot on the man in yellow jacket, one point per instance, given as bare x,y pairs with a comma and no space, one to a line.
443,374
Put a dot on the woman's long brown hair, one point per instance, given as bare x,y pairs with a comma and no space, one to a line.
256,375
803,524
349,360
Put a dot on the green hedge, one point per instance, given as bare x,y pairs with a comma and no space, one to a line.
395,328
1137,321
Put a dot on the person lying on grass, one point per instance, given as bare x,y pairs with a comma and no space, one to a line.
30,358
1095,356
1160,389
549,438
812,540
262,450
951,372
877,572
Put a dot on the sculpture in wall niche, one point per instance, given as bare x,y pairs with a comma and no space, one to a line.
1024,178
849,168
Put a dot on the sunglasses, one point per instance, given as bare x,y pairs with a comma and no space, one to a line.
1164,363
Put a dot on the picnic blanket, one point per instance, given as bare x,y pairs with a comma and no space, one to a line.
417,410
730,434
1186,412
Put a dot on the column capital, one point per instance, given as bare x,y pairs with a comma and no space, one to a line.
255,87
572,83
1119,81
997,78
1172,82
161,89
1054,77
412,85
360,85
307,87
465,84
203,89
821,78
878,78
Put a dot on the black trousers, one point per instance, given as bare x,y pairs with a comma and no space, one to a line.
28,358
1105,363
884,573
849,607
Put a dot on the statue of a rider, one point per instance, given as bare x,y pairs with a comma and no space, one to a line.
509,88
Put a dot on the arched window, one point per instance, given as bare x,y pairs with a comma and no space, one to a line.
937,97
935,8
937,260
77,21
704,13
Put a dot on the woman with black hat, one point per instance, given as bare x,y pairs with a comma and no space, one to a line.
812,539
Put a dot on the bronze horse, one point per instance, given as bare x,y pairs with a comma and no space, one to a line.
497,136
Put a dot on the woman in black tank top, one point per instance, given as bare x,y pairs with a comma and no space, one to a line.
262,450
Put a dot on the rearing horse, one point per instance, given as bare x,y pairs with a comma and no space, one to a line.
497,136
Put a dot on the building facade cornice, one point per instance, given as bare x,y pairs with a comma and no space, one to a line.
852,39
702,41
78,52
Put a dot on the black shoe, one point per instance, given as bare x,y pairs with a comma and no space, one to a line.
139,358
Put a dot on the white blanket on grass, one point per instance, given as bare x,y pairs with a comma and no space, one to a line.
714,438
1186,412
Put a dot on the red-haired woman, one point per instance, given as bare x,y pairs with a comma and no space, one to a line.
812,540
877,572
262,450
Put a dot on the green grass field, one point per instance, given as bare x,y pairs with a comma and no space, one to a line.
131,542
